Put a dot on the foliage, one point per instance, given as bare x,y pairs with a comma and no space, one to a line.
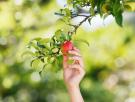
50,48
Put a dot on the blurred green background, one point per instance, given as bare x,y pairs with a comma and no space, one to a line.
109,60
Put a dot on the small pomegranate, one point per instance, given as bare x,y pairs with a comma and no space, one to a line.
66,46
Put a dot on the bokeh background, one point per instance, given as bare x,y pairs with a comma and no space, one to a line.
109,59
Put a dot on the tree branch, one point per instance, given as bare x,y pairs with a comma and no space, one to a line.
84,20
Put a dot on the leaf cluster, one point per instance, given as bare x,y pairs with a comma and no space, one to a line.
48,50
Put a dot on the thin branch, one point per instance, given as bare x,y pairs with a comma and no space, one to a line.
81,15
77,26
85,19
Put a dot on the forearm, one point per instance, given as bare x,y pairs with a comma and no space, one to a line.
75,94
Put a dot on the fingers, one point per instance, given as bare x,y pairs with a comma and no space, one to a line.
65,59
78,59
74,48
78,67
74,52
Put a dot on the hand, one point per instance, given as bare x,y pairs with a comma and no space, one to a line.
73,73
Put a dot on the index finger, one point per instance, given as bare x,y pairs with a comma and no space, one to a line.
76,49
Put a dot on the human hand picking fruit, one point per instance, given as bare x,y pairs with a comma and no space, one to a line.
73,73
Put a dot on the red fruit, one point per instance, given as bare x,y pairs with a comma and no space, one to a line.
66,46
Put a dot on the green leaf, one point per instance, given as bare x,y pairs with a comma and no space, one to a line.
130,0
44,66
116,7
40,45
82,40
55,50
59,14
92,2
58,33
62,37
37,39
105,16
69,1
35,63
127,7
67,11
42,60
105,8
50,59
92,12
89,20
27,53
33,44
119,19
44,41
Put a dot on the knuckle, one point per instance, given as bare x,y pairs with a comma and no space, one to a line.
76,57
78,66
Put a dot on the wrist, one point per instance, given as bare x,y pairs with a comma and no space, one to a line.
73,87
75,94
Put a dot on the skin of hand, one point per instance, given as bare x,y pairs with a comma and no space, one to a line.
73,74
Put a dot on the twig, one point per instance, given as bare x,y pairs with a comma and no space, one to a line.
85,19
77,26
81,15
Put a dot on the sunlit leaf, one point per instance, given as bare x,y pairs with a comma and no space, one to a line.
119,19
27,53
127,8
35,63
82,40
